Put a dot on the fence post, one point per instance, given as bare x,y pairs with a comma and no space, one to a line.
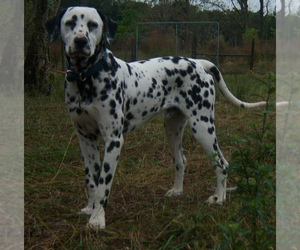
194,45
137,42
252,54
176,39
63,58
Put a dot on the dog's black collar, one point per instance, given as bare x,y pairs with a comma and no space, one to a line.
81,77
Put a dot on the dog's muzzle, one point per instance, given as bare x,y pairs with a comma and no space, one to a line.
80,42
81,47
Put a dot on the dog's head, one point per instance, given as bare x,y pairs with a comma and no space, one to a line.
83,30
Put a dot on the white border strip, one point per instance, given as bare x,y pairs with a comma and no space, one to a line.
287,126
11,125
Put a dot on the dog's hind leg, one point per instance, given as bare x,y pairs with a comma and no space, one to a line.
204,132
175,122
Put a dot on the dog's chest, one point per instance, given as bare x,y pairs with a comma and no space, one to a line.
81,99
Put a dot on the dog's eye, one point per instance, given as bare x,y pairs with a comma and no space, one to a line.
92,25
70,23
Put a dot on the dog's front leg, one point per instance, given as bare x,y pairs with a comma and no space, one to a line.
113,147
90,153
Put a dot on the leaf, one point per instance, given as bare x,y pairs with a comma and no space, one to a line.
271,90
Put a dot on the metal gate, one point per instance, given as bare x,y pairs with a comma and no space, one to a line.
190,39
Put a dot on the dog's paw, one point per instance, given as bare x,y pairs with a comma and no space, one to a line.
214,199
87,210
97,220
173,192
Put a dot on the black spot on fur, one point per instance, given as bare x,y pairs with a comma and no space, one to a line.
203,118
165,82
96,178
108,179
216,73
112,104
72,99
210,130
206,94
127,105
97,167
129,69
78,111
111,146
129,116
101,181
154,82
106,167
176,59
182,73
189,70
179,82
169,72
206,104
103,203
182,93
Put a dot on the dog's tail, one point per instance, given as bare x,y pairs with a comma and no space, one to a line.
213,70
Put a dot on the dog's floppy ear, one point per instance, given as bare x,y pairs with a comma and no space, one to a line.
53,26
109,28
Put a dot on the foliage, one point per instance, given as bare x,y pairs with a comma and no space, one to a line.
253,227
250,34
129,12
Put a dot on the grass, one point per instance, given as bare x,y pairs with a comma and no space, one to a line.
138,215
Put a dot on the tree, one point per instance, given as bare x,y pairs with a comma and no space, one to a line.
240,7
37,57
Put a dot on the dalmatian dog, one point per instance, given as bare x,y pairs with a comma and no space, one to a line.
108,97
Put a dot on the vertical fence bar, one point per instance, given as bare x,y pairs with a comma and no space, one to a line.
137,42
176,39
252,54
218,45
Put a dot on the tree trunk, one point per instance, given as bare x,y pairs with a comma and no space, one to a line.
244,12
262,20
37,58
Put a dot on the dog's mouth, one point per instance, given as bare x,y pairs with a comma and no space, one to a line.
80,52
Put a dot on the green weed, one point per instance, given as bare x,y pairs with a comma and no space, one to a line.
253,227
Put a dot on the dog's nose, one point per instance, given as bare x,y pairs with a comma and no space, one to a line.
80,42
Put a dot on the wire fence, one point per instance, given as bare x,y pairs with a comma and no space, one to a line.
178,38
